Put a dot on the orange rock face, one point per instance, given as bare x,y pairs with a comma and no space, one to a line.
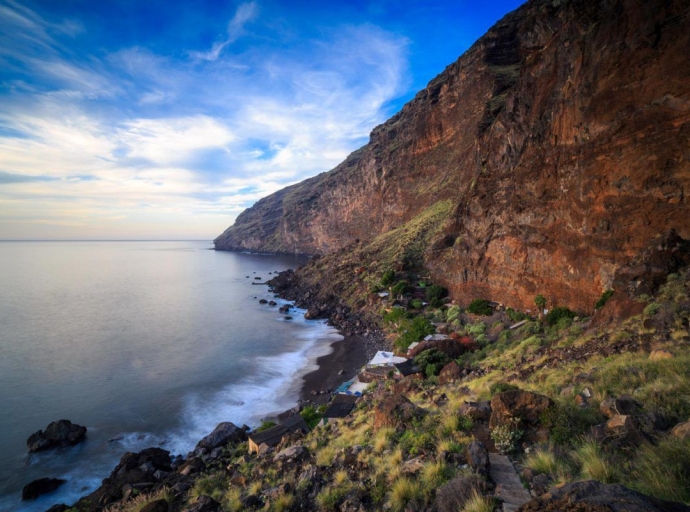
562,139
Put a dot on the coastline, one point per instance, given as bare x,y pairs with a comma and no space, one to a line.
348,355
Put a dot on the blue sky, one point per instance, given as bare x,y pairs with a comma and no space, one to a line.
131,119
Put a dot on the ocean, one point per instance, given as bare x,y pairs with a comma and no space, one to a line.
145,344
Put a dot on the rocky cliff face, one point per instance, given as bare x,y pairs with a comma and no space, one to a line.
547,157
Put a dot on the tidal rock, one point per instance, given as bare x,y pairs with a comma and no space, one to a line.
223,434
312,313
58,433
41,486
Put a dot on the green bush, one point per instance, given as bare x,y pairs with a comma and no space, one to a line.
388,277
480,307
431,362
417,304
500,387
395,315
603,299
400,288
569,422
453,313
553,316
540,302
265,425
312,415
413,330
515,316
652,309
435,292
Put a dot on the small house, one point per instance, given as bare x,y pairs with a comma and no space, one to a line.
295,424
270,437
340,407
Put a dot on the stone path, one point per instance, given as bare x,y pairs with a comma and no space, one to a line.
509,489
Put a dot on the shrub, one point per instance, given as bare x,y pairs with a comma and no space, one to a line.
479,503
540,302
514,315
405,493
507,436
603,299
593,465
546,462
568,422
453,313
388,277
480,307
553,316
652,309
477,329
453,496
414,442
395,315
500,387
413,330
417,304
662,471
431,361
265,425
331,497
435,293
400,288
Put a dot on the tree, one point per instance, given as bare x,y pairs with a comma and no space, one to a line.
540,301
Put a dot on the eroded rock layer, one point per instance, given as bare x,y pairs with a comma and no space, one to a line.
561,141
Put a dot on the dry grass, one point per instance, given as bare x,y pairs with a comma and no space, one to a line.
479,503
325,456
405,493
139,502
593,463
282,503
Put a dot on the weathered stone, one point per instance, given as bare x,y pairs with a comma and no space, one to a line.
453,495
624,404
478,411
516,403
540,484
33,490
57,433
222,435
450,373
291,454
312,313
659,354
203,504
413,466
156,506
477,457
396,411
681,431
592,496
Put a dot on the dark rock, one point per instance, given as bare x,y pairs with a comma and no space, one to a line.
156,506
450,373
284,308
452,496
223,434
396,411
252,502
312,313
477,457
478,411
41,486
288,318
203,504
624,404
592,496
272,303
58,508
58,433
540,484
263,301
516,403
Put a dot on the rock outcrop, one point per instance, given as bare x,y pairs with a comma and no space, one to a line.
547,157
58,433
33,490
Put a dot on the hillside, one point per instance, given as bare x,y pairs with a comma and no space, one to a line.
541,162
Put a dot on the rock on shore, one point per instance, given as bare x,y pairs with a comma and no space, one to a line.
58,433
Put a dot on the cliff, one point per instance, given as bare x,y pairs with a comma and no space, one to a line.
543,160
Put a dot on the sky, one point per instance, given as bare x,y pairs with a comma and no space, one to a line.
165,119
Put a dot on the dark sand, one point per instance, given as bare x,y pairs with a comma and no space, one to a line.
348,354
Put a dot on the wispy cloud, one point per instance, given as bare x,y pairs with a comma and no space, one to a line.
133,141
245,13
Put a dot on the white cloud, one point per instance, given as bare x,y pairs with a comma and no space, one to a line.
245,13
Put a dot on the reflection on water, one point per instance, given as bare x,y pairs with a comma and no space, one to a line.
150,342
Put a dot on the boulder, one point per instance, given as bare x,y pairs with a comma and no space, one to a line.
453,495
477,457
312,313
658,354
203,504
450,373
292,453
681,431
223,434
592,496
516,403
156,506
478,411
450,347
624,405
58,433
396,411
41,486
413,466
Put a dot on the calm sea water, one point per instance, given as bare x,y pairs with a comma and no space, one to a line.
151,343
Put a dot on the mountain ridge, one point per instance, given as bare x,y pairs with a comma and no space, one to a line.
560,138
